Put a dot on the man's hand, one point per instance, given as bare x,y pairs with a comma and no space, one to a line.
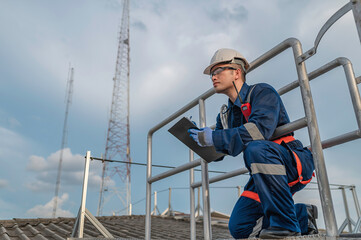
202,136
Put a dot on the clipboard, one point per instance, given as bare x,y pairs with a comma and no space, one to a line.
180,131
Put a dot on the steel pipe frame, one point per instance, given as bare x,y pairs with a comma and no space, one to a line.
298,124
83,195
350,77
223,176
149,155
207,228
325,194
348,218
356,9
348,221
355,97
355,199
357,206
174,171
313,130
290,127
192,211
354,93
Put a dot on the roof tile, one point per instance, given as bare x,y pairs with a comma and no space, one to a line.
121,227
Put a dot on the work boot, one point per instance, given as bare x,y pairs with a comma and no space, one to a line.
277,233
312,214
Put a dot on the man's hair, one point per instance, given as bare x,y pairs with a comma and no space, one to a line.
235,65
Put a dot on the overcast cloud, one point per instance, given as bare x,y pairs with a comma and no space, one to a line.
46,210
171,43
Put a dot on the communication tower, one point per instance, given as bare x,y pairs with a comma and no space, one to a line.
118,135
68,97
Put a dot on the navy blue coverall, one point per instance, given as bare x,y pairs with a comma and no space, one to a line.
272,166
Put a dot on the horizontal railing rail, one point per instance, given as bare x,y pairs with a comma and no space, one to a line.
308,121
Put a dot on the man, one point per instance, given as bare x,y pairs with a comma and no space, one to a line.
278,167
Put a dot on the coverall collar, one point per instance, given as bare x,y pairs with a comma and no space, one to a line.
243,94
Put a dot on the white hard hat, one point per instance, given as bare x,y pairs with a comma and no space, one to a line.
226,55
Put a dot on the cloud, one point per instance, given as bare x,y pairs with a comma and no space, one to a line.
36,163
13,122
70,162
8,209
229,13
10,142
14,149
46,210
139,25
3,183
71,175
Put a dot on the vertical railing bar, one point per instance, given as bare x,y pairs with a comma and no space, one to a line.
170,211
198,202
355,199
356,9
347,212
83,195
155,202
148,189
330,222
192,199
315,140
354,92
205,181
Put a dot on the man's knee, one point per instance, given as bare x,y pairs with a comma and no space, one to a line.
239,231
254,151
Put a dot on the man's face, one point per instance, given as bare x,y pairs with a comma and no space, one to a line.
222,76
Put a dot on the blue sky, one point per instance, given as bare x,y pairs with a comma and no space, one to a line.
171,43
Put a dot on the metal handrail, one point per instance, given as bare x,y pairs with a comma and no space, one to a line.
310,119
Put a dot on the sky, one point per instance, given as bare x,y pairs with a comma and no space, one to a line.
171,42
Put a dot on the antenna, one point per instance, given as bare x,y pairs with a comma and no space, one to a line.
68,97
118,135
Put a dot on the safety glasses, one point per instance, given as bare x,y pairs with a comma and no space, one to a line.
221,69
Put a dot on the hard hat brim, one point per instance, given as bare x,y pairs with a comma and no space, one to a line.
208,69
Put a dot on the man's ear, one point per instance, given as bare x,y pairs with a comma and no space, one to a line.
238,74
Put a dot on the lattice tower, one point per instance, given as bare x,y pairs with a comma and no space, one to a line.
68,98
118,135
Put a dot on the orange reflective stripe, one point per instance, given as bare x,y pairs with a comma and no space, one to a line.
306,181
291,184
284,139
298,165
251,195
298,162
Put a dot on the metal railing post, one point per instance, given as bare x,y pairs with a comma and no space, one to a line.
198,202
239,191
348,219
356,9
315,140
309,120
355,199
205,181
357,206
192,199
148,189
83,195
154,212
170,211
353,89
